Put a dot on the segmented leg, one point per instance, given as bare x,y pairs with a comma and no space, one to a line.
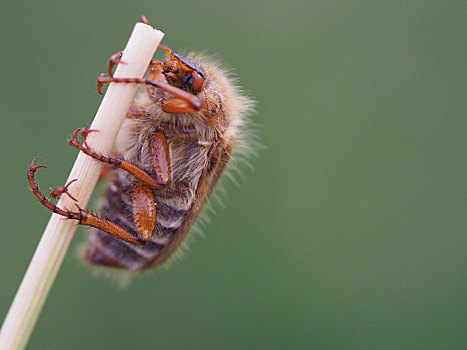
117,162
113,60
193,101
58,191
83,217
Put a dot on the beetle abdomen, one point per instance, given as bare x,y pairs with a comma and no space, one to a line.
106,250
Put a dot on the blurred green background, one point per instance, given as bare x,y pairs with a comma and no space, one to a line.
349,234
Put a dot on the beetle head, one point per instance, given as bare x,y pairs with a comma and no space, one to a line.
183,72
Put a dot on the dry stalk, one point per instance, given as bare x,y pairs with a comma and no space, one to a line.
42,270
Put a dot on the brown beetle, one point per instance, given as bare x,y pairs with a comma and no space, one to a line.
175,143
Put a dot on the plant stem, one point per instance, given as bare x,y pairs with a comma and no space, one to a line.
47,259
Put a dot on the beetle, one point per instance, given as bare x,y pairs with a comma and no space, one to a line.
174,145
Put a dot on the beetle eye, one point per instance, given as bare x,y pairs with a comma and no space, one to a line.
198,81
194,81
189,80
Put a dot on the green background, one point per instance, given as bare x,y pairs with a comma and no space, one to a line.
350,233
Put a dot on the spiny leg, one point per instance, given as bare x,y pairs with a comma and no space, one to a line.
113,60
58,191
117,162
83,217
192,101
155,66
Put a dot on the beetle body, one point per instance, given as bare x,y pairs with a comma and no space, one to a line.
173,146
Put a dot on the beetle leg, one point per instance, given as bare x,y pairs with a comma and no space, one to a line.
58,191
107,226
176,105
144,211
161,158
117,161
113,60
83,217
193,101
143,205
116,58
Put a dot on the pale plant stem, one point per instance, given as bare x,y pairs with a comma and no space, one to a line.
44,266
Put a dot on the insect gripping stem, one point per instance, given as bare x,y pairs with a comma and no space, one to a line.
44,266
